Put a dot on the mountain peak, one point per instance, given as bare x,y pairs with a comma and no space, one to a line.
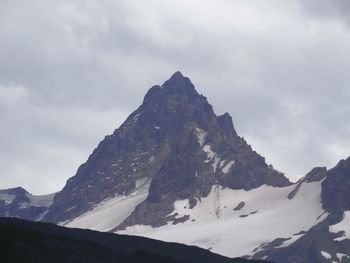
178,81
176,76
177,86
174,144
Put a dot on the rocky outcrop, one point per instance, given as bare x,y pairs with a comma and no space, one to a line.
336,188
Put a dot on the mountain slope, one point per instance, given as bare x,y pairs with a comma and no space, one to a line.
218,222
175,167
23,241
176,143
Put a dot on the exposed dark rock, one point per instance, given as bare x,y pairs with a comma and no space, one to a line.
239,206
164,140
181,219
251,213
315,175
275,243
335,188
300,233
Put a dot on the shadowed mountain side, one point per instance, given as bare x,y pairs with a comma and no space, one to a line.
24,241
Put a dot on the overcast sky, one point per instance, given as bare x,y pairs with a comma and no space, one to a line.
72,71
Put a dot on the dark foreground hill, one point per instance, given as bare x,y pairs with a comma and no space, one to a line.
24,241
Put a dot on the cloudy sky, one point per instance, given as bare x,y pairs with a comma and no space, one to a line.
71,72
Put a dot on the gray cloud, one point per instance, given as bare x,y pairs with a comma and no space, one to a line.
327,9
70,72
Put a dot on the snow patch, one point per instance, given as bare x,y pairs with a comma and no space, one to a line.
343,226
290,241
113,211
136,117
216,162
326,255
209,152
201,135
340,256
142,182
180,208
227,167
210,156
222,163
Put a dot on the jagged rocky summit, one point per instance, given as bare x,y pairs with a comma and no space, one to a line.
173,142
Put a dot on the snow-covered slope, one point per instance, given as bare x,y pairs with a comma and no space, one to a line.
111,212
229,222
217,223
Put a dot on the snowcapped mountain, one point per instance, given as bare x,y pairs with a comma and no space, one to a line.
175,144
17,202
176,171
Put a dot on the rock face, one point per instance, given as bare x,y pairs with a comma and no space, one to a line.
336,188
17,202
175,140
